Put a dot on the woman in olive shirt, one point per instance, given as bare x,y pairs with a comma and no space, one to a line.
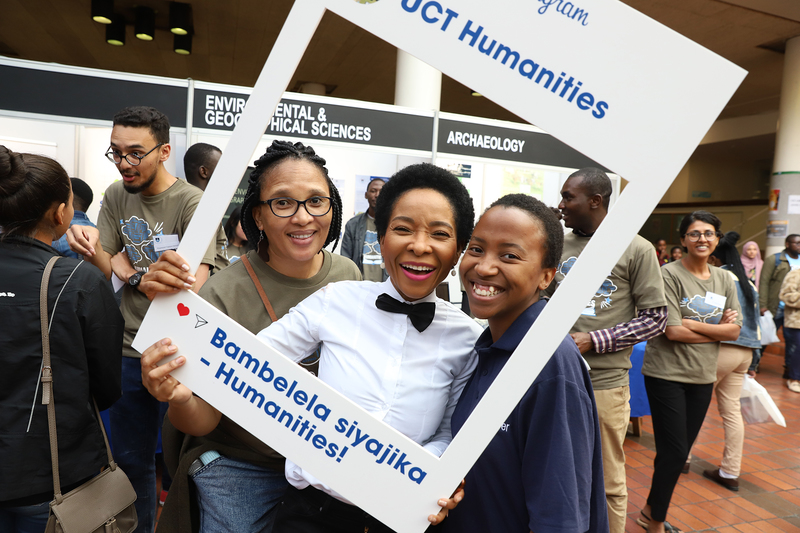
680,366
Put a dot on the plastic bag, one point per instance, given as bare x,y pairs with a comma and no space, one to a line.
757,404
769,333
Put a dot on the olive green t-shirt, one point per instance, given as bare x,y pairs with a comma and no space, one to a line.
233,292
686,298
130,221
634,283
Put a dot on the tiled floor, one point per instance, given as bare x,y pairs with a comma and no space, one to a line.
769,495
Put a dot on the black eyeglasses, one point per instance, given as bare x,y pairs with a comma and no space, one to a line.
694,236
285,207
116,157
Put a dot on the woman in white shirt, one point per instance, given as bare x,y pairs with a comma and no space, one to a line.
411,372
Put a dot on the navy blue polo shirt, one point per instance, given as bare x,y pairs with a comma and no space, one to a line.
543,470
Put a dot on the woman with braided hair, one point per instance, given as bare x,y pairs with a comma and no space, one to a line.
290,212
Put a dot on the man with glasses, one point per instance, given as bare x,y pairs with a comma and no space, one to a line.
774,270
628,308
143,214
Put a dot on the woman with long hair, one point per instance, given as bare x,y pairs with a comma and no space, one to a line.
85,327
238,245
291,211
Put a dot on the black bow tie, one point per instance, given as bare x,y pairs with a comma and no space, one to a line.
421,314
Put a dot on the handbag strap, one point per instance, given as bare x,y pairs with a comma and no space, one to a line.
47,377
47,386
259,288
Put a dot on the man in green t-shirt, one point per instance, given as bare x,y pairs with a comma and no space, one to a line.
629,307
144,214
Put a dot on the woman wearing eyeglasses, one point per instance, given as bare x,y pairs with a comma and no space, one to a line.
680,367
290,212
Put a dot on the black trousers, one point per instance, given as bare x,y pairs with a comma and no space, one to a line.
678,411
312,511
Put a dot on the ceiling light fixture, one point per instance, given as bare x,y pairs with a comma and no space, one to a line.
180,18
145,27
115,32
102,11
183,44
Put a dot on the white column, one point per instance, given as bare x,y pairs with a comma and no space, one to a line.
417,84
786,165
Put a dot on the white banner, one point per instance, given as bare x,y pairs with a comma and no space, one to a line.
618,87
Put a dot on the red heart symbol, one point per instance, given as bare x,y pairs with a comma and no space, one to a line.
183,310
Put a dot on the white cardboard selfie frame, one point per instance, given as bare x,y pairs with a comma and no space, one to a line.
659,92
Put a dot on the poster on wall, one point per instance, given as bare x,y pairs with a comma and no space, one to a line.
774,200
602,107
793,207
777,228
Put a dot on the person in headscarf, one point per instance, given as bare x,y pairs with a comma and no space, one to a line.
752,262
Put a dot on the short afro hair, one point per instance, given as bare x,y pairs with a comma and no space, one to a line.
83,194
196,156
548,222
427,176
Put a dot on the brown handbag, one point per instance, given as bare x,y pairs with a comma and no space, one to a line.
104,504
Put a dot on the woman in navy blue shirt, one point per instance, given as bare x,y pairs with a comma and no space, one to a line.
543,471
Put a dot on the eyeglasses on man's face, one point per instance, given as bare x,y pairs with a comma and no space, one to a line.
694,236
285,207
133,158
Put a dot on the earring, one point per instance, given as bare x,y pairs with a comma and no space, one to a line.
453,271
383,265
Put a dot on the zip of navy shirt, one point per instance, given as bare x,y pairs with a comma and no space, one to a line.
543,470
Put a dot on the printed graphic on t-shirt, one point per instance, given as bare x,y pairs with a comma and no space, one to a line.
607,288
140,239
697,308
372,249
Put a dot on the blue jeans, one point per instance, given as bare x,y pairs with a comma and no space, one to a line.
237,496
25,519
135,419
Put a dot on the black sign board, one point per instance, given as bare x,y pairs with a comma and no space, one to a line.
309,120
508,144
75,95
